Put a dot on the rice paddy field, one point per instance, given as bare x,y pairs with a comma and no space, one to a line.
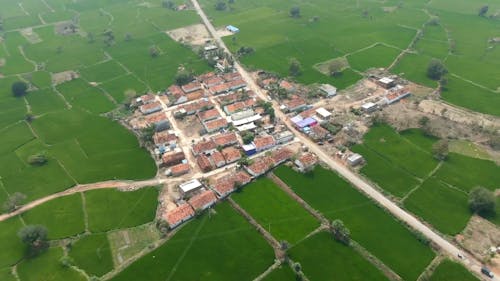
401,163
460,38
448,270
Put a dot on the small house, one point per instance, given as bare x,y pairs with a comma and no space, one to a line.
369,107
232,29
190,186
354,159
306,162
328,90
179,215
203,201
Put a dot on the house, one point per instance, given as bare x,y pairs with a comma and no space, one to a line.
227,184
225,139
328,90
354,159
204,163
202,201
236,84
217,159
260,166
232,29
235,107
386,82
158,120
179,169
246,127
369,107
213,81
281,155
172,158
195,95
287,86
284,137
319,133
306,162
191,87
231,154
219,89
308,122
176,95
246,120
198,106
150,108
208,115
249,149
323,113
164,139
190,186
231,76
215,125
264,143
145,99
206,76
295,104
204,147
179,215
242,115
396,94
268,83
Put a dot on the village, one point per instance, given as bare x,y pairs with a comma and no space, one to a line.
214,134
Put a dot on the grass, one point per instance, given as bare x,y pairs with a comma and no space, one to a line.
372,227
80,94
469,149
119,86
112,209
11,245
241,253
375,57
6,275
102,71
282,273
46,267
414,67
331,260
92,253
63,217
276,211
448,270
44,101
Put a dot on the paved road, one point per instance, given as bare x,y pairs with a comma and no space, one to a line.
352,177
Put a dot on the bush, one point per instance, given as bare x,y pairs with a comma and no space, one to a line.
436,69
38,159
482,201
35,237
19,89
295,12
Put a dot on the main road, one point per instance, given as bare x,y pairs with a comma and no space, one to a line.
452,250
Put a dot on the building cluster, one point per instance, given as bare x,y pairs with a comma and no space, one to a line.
394,92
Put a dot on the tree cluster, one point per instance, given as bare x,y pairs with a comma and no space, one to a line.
183,77
247,137
220,6
245,51
295,68
436,69
295,12
13,202
168,4
38,159
440,150
482,201
19,89
335,68
340,232
483,10
35,237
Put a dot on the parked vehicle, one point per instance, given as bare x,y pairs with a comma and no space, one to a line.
487,272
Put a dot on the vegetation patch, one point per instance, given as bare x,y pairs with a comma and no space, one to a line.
92,253
12,248
448,270
282,273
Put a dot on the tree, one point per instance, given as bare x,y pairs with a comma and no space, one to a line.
247,137
168,4
109,37
436,69
443,82
483,10
13,202
38,159
220,6
90,37
335,67
340,232
154,51
424,121
35,237
59,49
128,37
440,150
245,161
19,89
295,68
147,134
183,77
295,12
482,201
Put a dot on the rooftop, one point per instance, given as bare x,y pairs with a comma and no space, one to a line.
204,146
156,118
209,114
231,154
261,165
282,154
202,200
173,158
164,137
215,124
180,169
225,139
191,87
190,185
265,141
204,163
307,159
179,214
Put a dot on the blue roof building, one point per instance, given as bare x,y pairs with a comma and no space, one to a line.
233,29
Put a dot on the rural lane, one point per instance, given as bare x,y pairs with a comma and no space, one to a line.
468,261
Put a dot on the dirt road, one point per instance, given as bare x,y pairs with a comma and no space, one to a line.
353,178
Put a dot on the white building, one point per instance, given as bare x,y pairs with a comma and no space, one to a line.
328,90
354,159
190,186
325,114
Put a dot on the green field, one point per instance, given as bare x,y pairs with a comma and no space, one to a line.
6,275
222,245
372,227
92,253
331,260
276,211
283,273
448,270
12,248
63,217
112,209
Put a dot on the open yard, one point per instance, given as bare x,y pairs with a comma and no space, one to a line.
372,227
276,211
222,245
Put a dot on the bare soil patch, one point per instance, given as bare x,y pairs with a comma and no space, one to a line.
193,35
190,126
65,76
31,36
323,66
223,32
478,237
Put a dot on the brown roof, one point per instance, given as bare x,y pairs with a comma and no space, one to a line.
195,95
173,158
232,76
213,81
156,118
204,146
197,106
180,169
234,107
230,98
147,98
217,159
250,102
235,83
206,76
264,141
150,106
226,183
191,87
179,214
216,124
281,154
175,90
163,137
307,159
308,113
225,139
261,165
209,114
202,200
287,85
268,81
231,154
204,163
295,102
217,89
319,131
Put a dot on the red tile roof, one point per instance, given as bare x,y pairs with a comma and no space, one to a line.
175,90
204,163
195,95
150,106
206,76
217,159
226,184
164,137
260,165
173,158
180,169
213,81
179,214
250,102
262,142
231,154
308,113
225,139
156,118
204,146
203,200
147,98
230,109
197,106
295,102
221,88
287,85
232,76
216,124
307,159
191,87
208,115
280,155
